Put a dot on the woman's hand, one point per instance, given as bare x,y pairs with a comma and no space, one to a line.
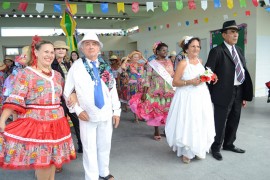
195,81
84,116
216,80
72,100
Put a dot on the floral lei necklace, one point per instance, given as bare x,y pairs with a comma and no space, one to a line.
105,72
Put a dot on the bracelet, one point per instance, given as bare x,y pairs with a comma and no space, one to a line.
185,83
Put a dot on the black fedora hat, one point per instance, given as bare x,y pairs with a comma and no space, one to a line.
229,25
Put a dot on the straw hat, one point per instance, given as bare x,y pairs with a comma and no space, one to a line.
8,58
172,53
90,36
2,66
113,57
60,44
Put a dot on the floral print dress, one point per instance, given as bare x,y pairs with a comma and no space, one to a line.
158,98
41,135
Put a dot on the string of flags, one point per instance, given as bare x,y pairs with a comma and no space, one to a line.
135,6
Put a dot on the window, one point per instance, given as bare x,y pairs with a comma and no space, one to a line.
12,51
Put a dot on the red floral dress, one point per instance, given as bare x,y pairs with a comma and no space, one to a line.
41,135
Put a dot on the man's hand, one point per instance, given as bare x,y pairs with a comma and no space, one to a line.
116,121
84,116
244,103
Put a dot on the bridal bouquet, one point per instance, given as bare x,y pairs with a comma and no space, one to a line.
208,76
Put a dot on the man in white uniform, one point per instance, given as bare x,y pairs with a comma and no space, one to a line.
98,106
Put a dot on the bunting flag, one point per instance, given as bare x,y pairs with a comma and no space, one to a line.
168,25
104,7
165,6
217,4
149,28
179,24
89,8
225,17
23,6
196,21
206,20
6,5
235,14
267,2
247,13
243,3
204,4
230,4
57,8
39,7
179,5
149,6
255,3
187,23
155,27
135,7
120,7
161,26
68,24
73,9
191,4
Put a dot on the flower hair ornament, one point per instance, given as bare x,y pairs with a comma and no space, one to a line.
187,39
35,40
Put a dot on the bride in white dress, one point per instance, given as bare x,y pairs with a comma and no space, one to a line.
190,128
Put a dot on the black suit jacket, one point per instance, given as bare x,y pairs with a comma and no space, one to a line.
221,62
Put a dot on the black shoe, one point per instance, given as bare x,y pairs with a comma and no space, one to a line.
217,155
80,150
234,149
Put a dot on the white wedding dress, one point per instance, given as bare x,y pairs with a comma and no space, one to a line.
190,128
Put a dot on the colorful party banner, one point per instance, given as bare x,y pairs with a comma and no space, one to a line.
255,3
191,4
165,6
247,13
73,9
149,6
187,23
120,7
204,4
6,5
243,3
135,7
89,8
196,21
179,5
206,20
39,7
57,8
104,7
217,4
230,4
23,6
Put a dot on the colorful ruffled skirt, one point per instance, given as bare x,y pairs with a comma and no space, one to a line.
154,110
31,144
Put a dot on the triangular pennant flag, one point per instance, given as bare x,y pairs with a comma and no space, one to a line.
196,21
23,6
267,2
89,8
255,3
161,26
187,23
104,7
235,14
120,7
230,4
165,6
155,27
204,4
39,7
149,6
135,7
225,17
179,5
179,24
217,4
149,28
6,5
247,13
206,20
168,25
191,4
243,3
73,9
57,8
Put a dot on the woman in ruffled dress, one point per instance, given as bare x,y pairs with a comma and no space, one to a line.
190,128
153,103
135,71
40,138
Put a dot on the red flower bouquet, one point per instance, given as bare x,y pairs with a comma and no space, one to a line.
208,76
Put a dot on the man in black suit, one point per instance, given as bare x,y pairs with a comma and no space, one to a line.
232,90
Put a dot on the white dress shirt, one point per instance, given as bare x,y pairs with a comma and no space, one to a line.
80,80
236,82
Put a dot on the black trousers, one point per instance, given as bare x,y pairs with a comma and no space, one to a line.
75,122
227,120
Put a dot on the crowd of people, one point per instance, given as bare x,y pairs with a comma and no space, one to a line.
44,86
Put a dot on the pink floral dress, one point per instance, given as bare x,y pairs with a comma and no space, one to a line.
41,135
158,98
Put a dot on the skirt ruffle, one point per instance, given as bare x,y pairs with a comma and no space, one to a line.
31,144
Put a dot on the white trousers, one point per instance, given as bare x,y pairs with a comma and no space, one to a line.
96,140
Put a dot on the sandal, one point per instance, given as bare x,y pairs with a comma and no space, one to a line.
58,170
185,160
157,138
109,177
